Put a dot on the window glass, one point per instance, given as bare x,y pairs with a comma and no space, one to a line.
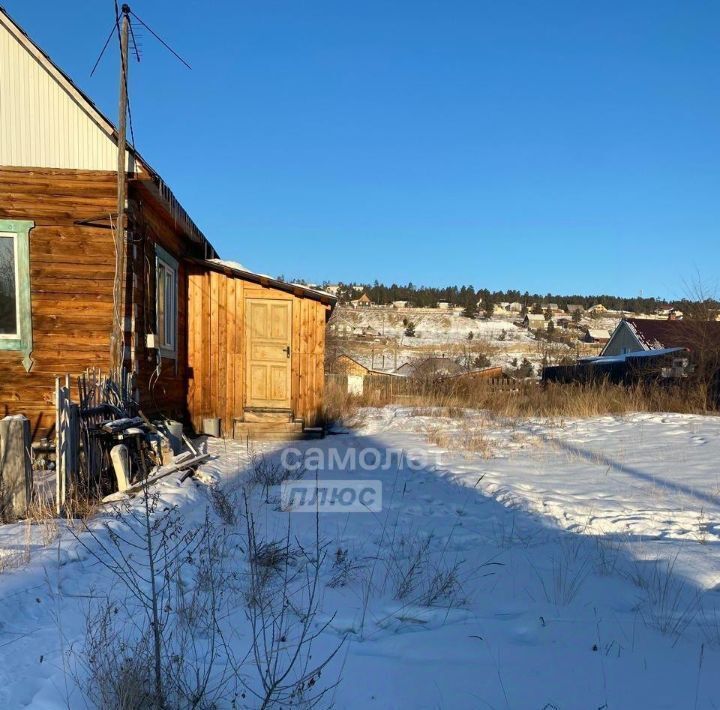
166,303
170,308
8,287
161,307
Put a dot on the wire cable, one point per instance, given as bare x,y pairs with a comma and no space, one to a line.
105,46
161,40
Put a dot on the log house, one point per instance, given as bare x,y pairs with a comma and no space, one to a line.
203,339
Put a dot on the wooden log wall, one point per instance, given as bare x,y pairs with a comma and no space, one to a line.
71,275
166,394
72,268
216,348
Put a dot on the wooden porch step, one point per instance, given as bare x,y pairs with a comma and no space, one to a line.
268,426
258,414
275,431
273,436
268,430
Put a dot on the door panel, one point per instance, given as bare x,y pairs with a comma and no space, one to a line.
268,332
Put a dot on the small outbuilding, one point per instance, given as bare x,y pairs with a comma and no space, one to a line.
535,321
345,365
596,335
256,346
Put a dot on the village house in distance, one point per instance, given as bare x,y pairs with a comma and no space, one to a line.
203,338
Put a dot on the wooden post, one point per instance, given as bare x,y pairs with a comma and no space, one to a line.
15,468
117,341
58,448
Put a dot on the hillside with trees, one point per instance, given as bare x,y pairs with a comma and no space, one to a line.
468,297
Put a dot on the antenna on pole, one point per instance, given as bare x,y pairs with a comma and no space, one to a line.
159,39
126,36
118,337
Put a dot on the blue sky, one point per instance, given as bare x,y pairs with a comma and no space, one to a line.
557,146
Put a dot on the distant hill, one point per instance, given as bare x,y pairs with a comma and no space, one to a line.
426,296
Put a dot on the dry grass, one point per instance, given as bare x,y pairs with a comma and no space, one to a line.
11,559
42,527
77,507
522,400
42,514
468,436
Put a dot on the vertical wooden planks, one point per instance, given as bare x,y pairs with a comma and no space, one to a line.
319,357
240,351
221,350
296,356
229,356
302,357
192,344
213,353
206,346
312,340
198,364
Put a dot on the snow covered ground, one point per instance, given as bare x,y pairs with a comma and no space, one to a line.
513,564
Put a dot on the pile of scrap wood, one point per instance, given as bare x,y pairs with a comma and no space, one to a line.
105,444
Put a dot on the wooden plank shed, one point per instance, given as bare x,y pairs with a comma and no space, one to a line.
58,217
255,345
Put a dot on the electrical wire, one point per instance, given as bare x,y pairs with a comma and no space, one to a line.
105,46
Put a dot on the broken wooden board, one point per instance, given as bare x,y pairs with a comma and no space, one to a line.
168,470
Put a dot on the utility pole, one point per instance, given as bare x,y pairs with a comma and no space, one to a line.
117,342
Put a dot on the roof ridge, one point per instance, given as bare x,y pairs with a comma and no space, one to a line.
173,205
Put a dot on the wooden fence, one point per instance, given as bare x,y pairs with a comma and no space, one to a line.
67,441
392,388
82,439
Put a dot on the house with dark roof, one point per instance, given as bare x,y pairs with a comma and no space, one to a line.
642,334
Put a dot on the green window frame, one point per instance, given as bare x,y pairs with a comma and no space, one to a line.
22,339
166,302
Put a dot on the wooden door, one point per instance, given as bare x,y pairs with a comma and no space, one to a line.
268,332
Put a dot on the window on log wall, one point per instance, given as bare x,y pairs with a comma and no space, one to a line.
166,289
15,313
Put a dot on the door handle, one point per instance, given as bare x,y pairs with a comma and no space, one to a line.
287,351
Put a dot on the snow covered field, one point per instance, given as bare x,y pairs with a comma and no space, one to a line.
447,333
513,564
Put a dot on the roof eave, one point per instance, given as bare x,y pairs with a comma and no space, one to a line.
166,197
268,281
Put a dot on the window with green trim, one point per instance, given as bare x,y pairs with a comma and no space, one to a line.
166,288
15,313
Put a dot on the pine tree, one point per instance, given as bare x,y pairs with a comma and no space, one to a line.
481,361
526,368
470,310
